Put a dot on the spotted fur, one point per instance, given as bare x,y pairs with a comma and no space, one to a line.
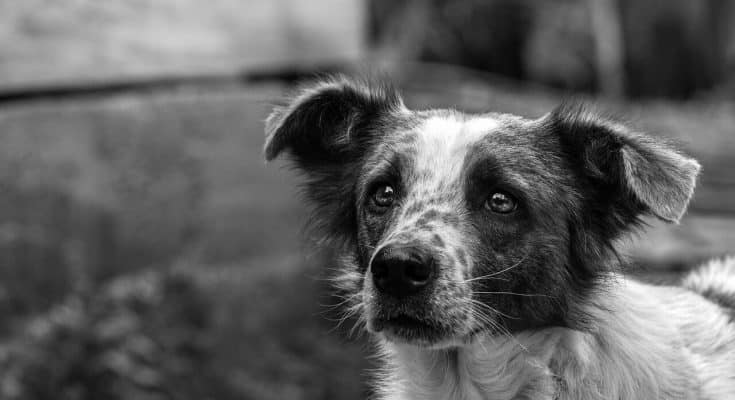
525,304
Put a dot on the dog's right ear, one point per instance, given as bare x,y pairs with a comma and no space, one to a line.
327,128
329,121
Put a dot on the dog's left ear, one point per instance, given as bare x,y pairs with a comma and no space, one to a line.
651,172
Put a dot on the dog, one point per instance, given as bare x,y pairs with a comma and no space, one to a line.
480,250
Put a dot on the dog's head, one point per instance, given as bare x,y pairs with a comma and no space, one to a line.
454,224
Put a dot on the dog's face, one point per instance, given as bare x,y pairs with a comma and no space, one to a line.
456,224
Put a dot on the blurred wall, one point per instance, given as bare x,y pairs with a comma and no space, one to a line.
46,42
638,48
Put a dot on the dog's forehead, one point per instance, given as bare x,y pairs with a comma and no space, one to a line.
436,149
443,142
454,132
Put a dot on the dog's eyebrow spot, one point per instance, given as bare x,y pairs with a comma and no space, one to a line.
440,199
461,257
426,225
437,241
414,208
422,221
450,219
431,214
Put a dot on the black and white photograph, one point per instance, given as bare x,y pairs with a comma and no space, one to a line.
367,200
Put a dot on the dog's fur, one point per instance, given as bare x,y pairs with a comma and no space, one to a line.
529,304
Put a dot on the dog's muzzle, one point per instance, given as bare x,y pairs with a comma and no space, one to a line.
402,271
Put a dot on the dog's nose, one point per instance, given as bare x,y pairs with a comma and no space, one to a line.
402,271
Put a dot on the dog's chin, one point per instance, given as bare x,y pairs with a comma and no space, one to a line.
408,330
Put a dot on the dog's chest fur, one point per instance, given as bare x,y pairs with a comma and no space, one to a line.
650,343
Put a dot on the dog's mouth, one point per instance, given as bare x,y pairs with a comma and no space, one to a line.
407,328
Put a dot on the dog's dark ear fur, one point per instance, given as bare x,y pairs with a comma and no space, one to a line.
325,122
636,173
327,128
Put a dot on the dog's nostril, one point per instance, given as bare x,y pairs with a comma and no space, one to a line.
418,273
401,271
379,270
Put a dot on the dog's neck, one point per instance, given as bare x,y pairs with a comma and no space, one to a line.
632,351
488,368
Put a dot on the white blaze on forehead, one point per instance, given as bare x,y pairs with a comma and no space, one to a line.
442,145
443,142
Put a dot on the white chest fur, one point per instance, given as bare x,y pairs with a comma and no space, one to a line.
644,342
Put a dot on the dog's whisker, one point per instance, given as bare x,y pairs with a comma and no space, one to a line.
352,311
491,309
488,276
480,278
509,268
328,308
356,326
345,300
499,328
515,294
496,327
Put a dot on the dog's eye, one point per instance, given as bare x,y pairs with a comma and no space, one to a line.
384,196
501,203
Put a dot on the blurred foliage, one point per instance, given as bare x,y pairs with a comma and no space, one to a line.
667,48
277,334
75,213
138,337
155,185
39,242
160,335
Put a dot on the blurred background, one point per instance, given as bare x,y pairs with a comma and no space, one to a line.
147,251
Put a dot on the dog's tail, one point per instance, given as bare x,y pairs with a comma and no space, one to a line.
715,280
